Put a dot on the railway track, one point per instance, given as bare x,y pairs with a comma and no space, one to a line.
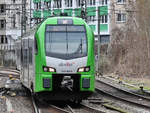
122,95
90,109
9,69
82,108
67,108
8,74
46,108
5,72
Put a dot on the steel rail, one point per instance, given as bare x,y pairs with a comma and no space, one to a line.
130,85
122,94
91,109
43,108
126,91
82,108
7,75
9,70
36,109
57,109
71,110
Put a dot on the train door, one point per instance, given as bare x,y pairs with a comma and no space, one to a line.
25,61
31,69
22,60
18,55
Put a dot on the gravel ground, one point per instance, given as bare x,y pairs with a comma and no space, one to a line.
3,108
125,106
20,104
135,80
123,85
14,102
115,103
99,106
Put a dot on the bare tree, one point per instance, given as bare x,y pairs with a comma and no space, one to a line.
129,49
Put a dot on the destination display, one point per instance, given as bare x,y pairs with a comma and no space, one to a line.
55,28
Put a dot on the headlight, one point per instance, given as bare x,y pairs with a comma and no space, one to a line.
49,69
81,69
84,69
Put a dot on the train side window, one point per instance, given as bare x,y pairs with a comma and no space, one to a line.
36,46
30,55
25,62
22,56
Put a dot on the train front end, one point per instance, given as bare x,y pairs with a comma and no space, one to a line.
64,56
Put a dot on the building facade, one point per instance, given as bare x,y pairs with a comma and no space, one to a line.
10,21
122,13
118,13
94,9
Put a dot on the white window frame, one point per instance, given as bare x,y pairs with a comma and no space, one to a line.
123,17
78,3
121,1
91,18
47,5
57,4
37,6
91,2
104,19
69,3
103,2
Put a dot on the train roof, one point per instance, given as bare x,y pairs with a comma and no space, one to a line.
54,20
51,20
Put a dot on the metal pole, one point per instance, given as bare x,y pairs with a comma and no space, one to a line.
22,28
21,25
85,11
30,14
23,22
82,15
99,38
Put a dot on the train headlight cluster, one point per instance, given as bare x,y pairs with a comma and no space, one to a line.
84,69
49,69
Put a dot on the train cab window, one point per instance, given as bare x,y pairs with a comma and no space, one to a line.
66,42
35,46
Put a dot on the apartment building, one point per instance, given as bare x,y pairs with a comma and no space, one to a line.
2,22
46,8
10,21
120,12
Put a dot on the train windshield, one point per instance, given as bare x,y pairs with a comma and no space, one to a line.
65,42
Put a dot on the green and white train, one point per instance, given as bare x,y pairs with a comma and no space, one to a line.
58,55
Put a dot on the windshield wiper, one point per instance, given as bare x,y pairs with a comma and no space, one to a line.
79,48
